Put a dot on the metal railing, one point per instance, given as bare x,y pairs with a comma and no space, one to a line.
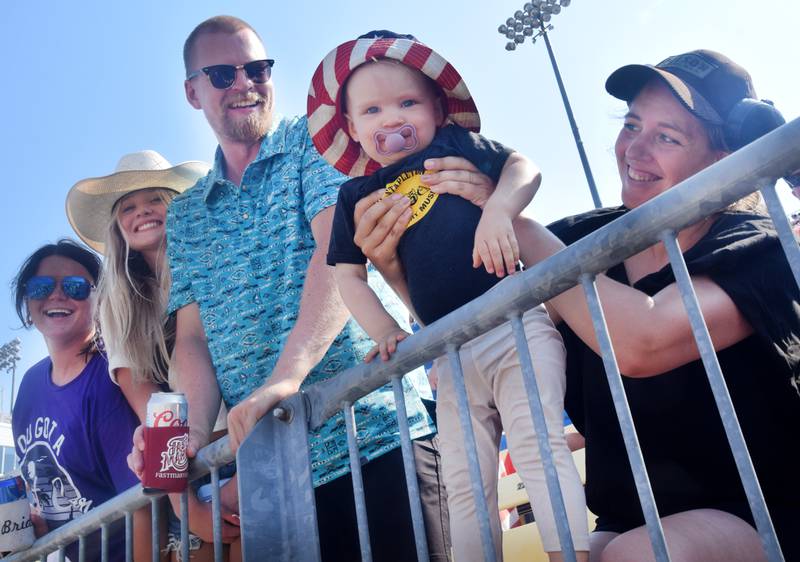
273,462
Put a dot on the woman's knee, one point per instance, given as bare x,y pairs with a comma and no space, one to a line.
702,535
632,546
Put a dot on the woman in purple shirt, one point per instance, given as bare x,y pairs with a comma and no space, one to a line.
71,424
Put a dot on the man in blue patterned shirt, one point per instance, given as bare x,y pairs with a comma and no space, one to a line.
258,311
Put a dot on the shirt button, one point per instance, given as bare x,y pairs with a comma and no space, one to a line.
245,216
244,188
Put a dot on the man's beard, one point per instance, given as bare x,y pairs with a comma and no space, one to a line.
254,127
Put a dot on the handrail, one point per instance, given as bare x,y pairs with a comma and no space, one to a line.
707,192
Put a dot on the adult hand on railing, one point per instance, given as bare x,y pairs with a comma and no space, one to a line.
244,416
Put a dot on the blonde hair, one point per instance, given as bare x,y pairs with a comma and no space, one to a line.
132,302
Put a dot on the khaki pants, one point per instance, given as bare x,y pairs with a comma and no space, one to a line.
498,400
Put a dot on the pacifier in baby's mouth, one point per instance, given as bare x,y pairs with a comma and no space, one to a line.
392,141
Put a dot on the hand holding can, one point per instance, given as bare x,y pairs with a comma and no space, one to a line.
166,437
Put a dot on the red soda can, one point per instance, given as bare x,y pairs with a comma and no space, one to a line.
166,436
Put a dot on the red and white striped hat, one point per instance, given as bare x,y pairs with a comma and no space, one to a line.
326,121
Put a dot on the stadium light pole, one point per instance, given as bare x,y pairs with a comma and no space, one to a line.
9,355
532,22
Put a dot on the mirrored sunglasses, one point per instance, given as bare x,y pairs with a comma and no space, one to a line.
42,286
222,76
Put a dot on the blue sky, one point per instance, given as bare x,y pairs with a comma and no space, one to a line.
86,82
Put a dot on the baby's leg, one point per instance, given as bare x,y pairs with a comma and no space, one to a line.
464,529
547,351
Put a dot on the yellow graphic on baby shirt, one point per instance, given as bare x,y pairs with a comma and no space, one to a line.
421,197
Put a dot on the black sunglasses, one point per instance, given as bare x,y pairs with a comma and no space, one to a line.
42,286
222,76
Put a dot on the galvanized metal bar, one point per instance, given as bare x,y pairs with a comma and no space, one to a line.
185,525
104,543
719,389
545,451
711,190
82,549
625,418
784,229
409,466
129,537
214,454
471,451
62,555
216,514
274,468
155,529
358,482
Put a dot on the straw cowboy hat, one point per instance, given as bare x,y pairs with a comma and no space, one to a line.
91,201
326,123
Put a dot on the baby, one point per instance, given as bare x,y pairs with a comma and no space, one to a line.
378,108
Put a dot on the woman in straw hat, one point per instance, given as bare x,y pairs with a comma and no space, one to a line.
123,216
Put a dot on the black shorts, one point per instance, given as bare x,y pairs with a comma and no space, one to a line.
388,512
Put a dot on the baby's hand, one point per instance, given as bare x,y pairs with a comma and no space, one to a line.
496,246
386,345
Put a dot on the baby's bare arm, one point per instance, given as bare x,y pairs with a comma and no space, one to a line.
367,309
496,245
518,183
361,300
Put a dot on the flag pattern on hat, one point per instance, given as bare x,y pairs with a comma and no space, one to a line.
326,122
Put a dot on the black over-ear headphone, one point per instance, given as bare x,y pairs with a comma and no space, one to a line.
750,119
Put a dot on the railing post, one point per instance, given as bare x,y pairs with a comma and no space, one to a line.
625,418
276,496
471,452
155,530
783,228
722,397
129,537
184,505
358,482
542,436
409,466
216,514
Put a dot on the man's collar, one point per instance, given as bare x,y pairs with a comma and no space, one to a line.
217,174
273,143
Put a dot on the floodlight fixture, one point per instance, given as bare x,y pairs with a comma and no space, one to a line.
530,22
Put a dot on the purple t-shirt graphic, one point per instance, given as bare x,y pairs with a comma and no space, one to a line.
72,442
